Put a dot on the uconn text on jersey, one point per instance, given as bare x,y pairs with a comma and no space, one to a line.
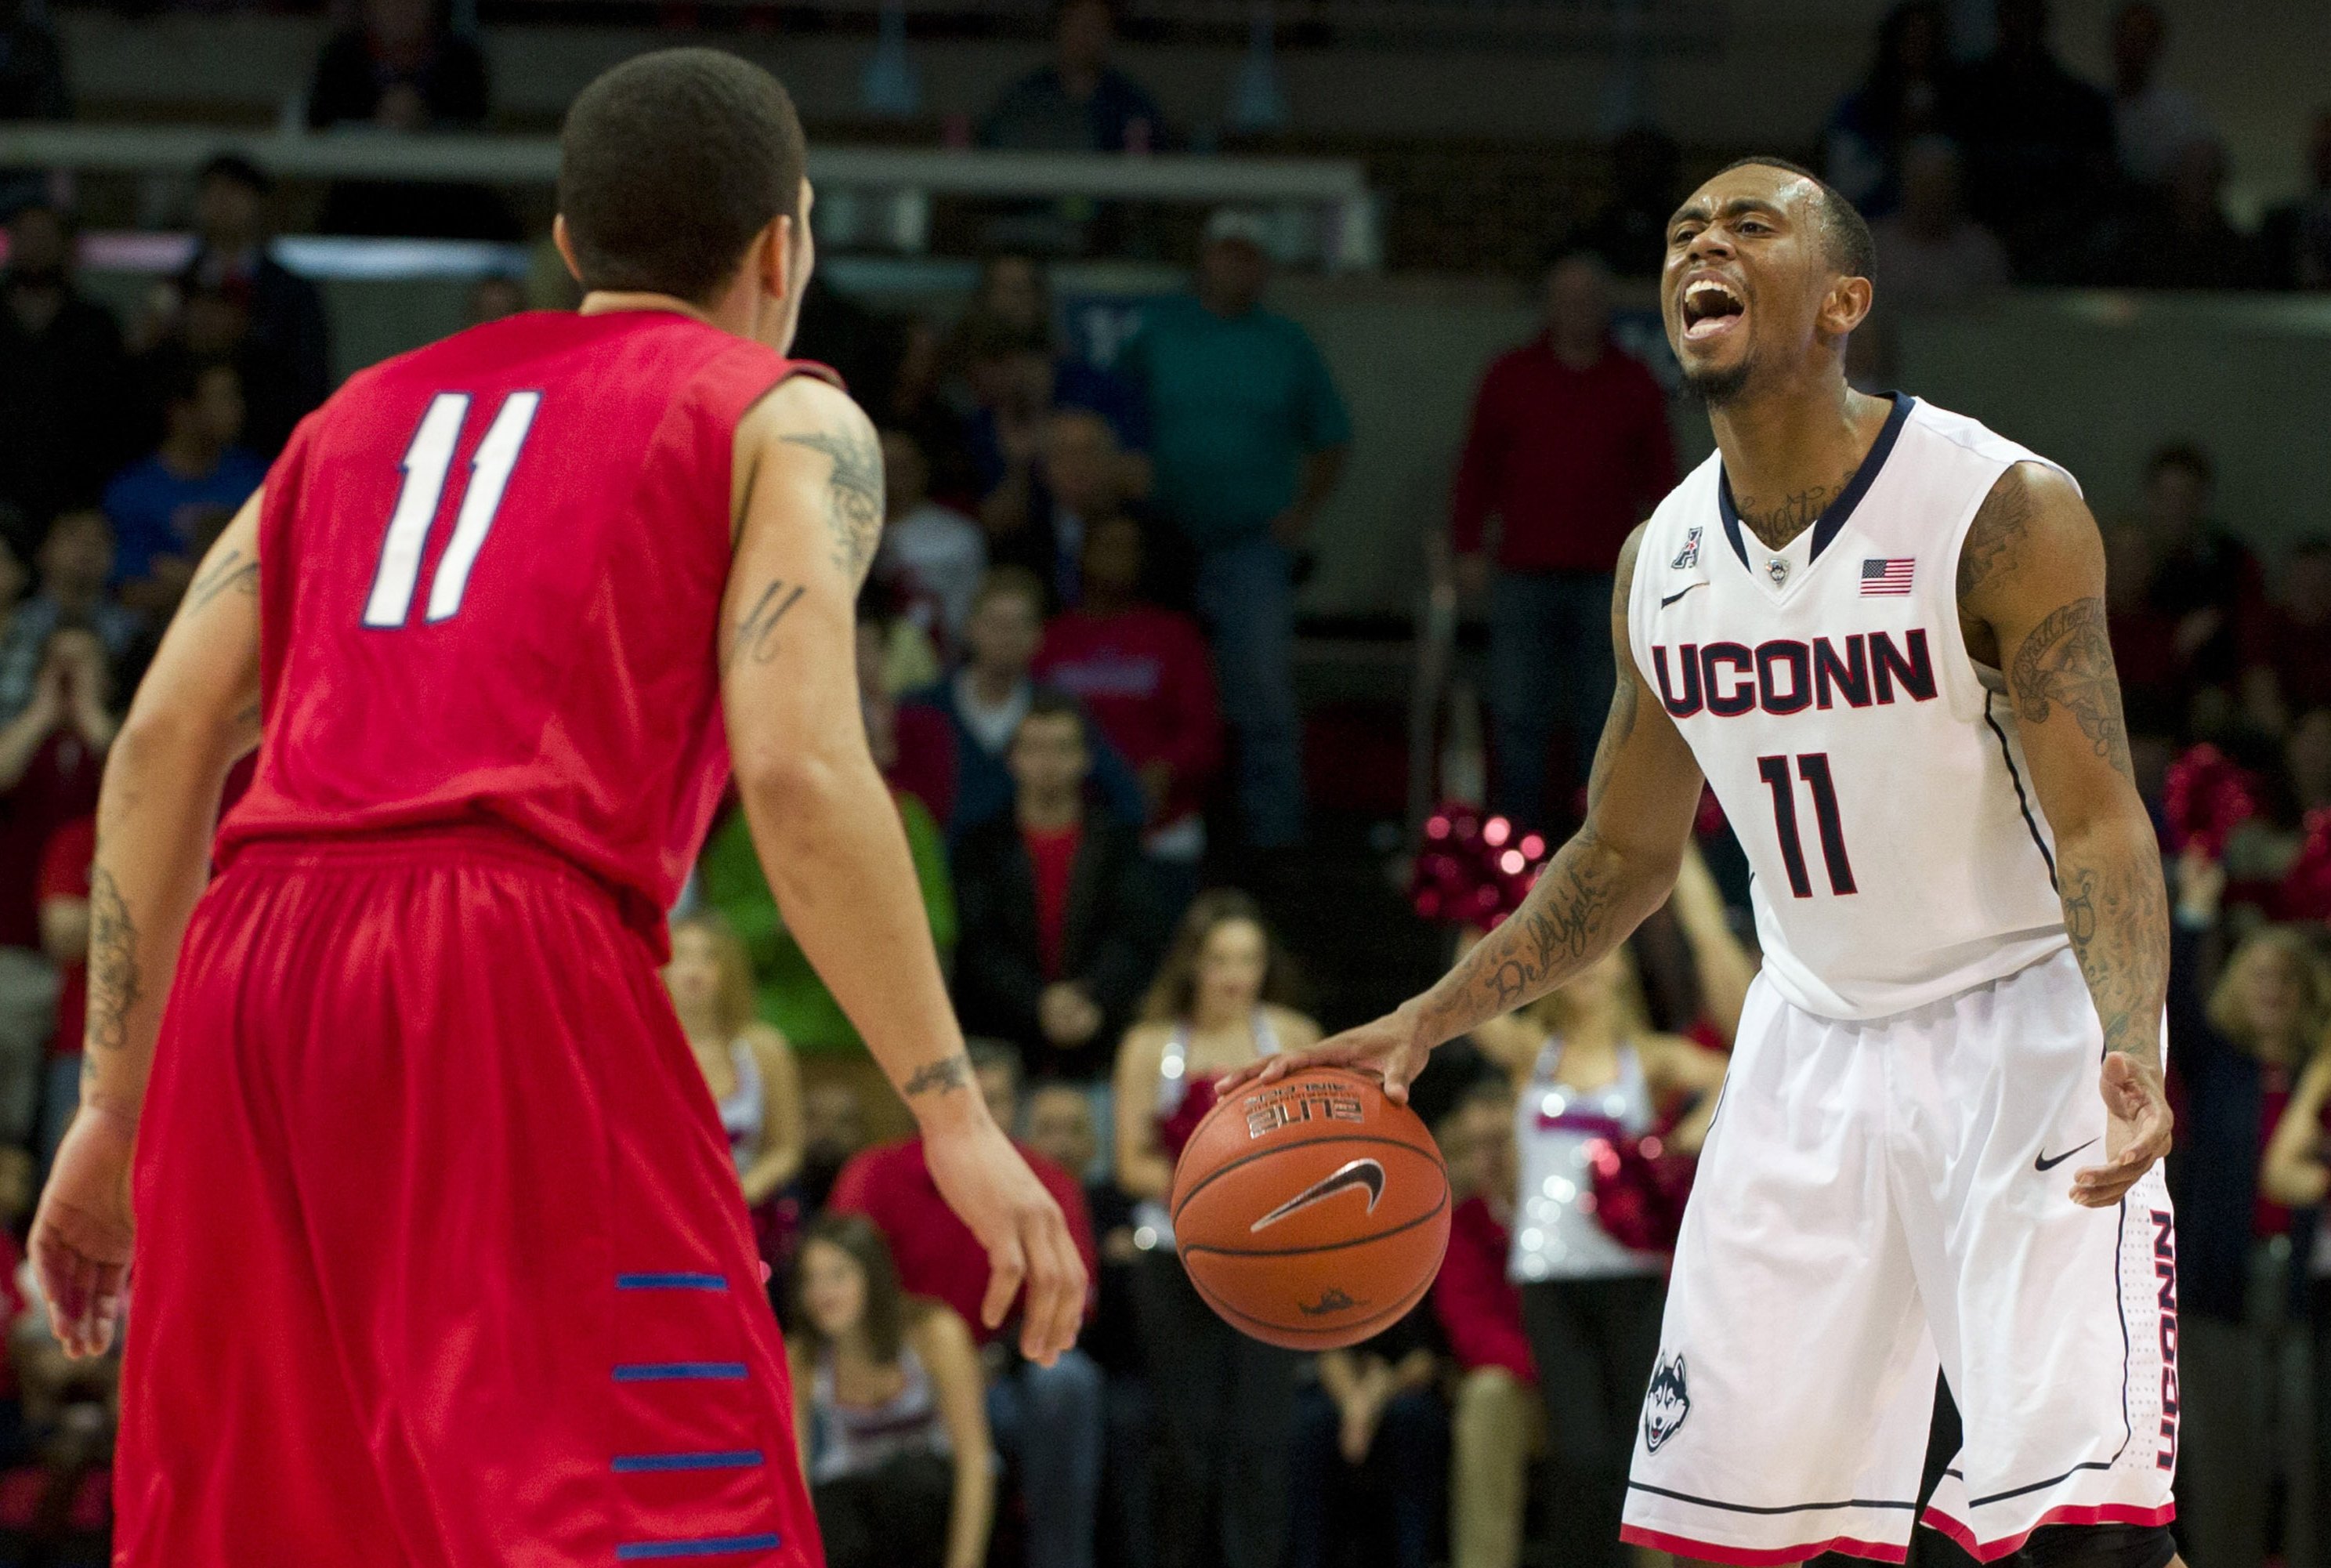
1787,676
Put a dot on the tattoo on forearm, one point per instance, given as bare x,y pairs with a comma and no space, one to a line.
1775,523
1996,538
2068,658
854,494
1568,918
1616,728
2116,909
233,571
114,986
757,633
949,1072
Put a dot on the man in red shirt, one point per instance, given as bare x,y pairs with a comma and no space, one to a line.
1568,450
1144,676
1047,1420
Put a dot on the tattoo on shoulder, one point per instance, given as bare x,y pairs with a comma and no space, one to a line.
854,493
114,987
757,633
232,572
1994,539
949,1072
2067,660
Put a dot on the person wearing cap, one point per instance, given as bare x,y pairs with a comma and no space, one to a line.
1248,437
286,358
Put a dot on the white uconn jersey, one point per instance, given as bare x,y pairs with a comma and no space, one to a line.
1872,774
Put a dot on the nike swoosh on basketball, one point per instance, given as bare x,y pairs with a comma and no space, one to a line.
1357,1173
1679,593
2049,1162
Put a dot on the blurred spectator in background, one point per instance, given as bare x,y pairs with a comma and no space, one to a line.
2247,1024
1567,448
913,744
791,995
1899,100
2178,236
1931,255
1012,293
64,892
1144,675
64,386
52,757
1630,231
1500,1421
2297,235
2205,581
2144,637
1059,917
287,357
889,1402
2153,122
2295,1173
834,1129
987,697
1047,1421
1250,437
76,562
2287,654
1225,1403
932,556
746,1065
167,509
1371,1450
494,297
2039,144
1585,1061
1080,102
865,348
400,68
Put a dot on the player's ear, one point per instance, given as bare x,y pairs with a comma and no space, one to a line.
566,244
1846,306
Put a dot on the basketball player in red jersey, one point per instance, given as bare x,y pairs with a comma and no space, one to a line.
443,1259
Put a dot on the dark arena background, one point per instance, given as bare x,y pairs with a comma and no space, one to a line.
1278,379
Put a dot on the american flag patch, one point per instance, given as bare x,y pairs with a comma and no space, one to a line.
1888,578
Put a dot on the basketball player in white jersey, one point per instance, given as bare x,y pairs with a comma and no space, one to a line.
1878,630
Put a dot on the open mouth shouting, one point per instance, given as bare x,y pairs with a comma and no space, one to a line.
1711,309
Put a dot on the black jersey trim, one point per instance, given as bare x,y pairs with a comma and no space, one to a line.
2022,802
1835,515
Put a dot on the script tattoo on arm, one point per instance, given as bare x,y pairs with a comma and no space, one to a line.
949,1072
1994,540
114,987
232,572
2067,660
854,493
757,633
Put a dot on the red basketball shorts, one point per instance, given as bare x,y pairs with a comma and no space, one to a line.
441,1258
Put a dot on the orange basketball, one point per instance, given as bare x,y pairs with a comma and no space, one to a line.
1311,1212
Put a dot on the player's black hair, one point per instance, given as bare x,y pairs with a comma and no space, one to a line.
670,164
1844,231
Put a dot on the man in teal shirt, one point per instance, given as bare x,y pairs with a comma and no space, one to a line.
1248,439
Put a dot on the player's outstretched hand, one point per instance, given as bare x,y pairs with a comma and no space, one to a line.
1396,1045
2137,1130
992,1190
81,1235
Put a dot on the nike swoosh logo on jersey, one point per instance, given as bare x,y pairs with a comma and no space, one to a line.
1357,1173
1679,593
2049,1163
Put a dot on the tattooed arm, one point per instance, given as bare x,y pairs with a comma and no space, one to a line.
196,713
808,498
2031,583
1618,868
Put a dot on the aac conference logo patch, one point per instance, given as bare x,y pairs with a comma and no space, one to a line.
1667,1404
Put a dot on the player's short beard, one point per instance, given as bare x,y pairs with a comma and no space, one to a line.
1715,388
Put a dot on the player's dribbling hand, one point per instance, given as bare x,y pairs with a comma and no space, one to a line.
81,1235
1395,1045
992,1190
2138,1124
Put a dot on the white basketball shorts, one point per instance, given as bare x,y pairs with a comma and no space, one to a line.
1878,1198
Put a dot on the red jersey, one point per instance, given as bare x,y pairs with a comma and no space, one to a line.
492,573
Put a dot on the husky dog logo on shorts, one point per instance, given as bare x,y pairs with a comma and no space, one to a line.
1666,1402
1689,555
